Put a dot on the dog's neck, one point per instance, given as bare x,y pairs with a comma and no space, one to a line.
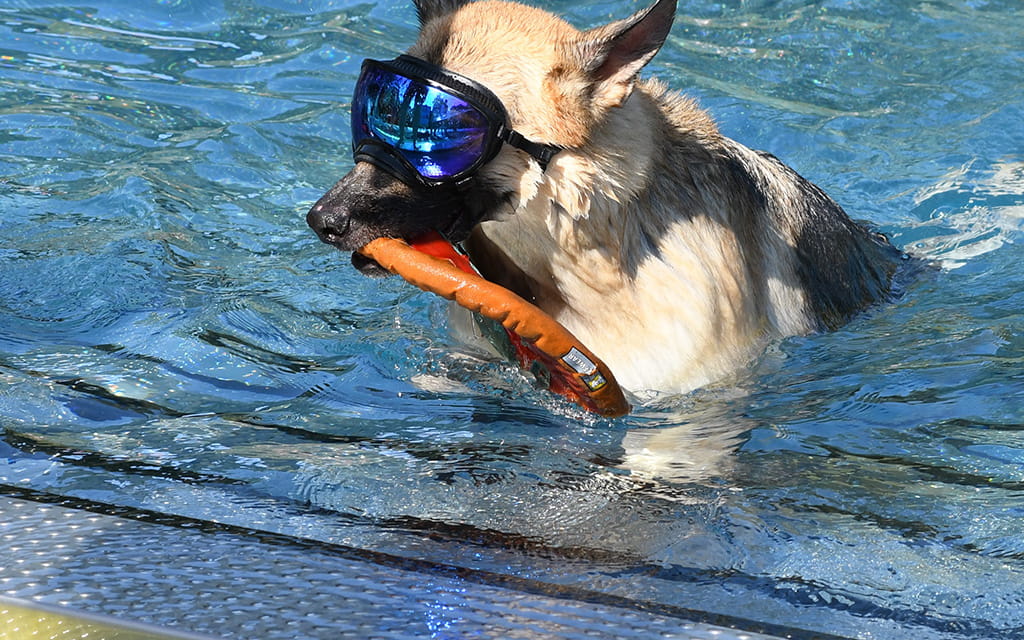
595,183
572,219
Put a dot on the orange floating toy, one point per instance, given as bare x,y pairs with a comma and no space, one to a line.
432,264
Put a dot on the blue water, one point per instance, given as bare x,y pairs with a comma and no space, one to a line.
173,337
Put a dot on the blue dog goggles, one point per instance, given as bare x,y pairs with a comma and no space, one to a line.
428,124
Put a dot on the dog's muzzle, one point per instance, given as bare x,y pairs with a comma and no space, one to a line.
364,205
371,202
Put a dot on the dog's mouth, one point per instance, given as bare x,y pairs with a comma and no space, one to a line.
368,266
370,203
352,235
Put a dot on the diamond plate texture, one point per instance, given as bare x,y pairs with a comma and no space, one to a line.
237,586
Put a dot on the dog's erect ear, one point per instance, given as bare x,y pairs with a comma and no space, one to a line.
612,55
427,10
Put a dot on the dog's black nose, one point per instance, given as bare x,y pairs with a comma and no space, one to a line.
329,222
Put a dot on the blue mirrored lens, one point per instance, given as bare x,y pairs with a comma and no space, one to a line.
439,134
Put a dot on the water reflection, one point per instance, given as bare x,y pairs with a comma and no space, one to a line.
700,448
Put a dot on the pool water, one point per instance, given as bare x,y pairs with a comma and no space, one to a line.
174,338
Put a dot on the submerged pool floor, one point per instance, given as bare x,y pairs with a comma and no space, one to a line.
198,577
202,577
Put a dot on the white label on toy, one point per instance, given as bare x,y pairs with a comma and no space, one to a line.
579,362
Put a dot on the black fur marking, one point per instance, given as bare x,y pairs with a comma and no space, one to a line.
370,203
842,265
427,10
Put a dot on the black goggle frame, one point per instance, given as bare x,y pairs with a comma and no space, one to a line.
380,153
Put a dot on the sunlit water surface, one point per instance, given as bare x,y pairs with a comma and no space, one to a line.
173,337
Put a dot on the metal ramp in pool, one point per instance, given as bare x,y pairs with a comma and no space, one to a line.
72,560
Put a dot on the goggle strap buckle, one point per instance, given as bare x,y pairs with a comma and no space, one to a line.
542,153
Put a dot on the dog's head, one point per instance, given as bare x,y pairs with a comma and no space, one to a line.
556,84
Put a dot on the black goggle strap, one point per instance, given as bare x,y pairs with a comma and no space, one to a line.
542,153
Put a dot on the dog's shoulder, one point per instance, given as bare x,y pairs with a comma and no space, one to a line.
789,226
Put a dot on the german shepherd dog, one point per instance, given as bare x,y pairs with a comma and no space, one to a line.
673,252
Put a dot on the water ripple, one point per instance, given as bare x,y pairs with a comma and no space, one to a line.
172,336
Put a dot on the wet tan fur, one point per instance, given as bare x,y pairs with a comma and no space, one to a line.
671,293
